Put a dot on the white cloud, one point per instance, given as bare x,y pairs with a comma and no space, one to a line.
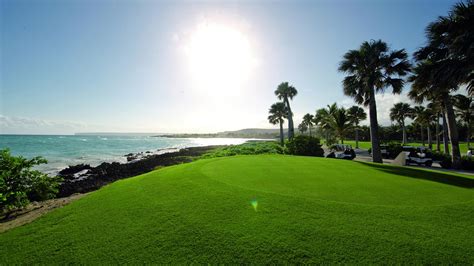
384,103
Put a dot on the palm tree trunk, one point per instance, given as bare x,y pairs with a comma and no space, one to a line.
453,132
310,131
291,128
357,137
438,148
404,133
374,128
430,142
468,138
445,135
282,140
422,135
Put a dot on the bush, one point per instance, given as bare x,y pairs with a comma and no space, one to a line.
444,159
19,184
394,149
248,148
331,141
305,145
467,163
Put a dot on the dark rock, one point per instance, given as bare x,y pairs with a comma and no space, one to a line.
71,170
106,173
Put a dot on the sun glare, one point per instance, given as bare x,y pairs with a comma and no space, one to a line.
220,58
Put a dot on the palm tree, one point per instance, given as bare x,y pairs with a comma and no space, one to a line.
452,37
336,119
302,127
399,112
278,113
356,115
319,120
446,62
436,109
308,122
420,119
427,85
465,112
341,123
286,93
373,68
430,116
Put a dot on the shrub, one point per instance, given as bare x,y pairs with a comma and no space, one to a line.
305,145
467,163
248,148
394,149
444,159
330,140
19,184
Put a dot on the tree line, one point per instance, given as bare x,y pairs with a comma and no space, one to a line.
438,69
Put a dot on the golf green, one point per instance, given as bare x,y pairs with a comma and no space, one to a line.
260,209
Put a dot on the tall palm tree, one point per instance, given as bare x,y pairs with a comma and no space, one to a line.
399,112
373,68
421,119
356,115
452,37
427,85
445,134
446,62
286,92
465,111
278,113
436,109
431,116
308,122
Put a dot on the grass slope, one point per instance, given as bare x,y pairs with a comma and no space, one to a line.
309,210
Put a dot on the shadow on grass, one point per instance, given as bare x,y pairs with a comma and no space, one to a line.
445,178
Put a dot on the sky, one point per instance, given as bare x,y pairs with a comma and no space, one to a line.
186,66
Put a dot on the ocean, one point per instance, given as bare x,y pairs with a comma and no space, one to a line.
62,151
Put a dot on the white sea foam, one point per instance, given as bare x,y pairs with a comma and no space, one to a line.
62,151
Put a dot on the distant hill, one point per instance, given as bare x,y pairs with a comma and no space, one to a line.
257,133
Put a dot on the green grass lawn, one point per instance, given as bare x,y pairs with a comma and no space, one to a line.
309,210
367,145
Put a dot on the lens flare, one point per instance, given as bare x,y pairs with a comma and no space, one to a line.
254,204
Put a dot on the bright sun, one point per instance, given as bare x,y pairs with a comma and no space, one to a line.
220,58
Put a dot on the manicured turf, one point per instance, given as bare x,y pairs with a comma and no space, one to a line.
308,210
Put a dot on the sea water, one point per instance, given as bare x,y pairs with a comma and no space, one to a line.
62,151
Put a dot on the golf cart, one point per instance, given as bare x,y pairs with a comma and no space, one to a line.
418,155
384,151
342,151
470,152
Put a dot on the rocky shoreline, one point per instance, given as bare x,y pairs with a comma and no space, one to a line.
84,178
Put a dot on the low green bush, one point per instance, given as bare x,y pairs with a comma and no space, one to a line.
19,184
445,160
393,149
248,148
467,163
305,145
